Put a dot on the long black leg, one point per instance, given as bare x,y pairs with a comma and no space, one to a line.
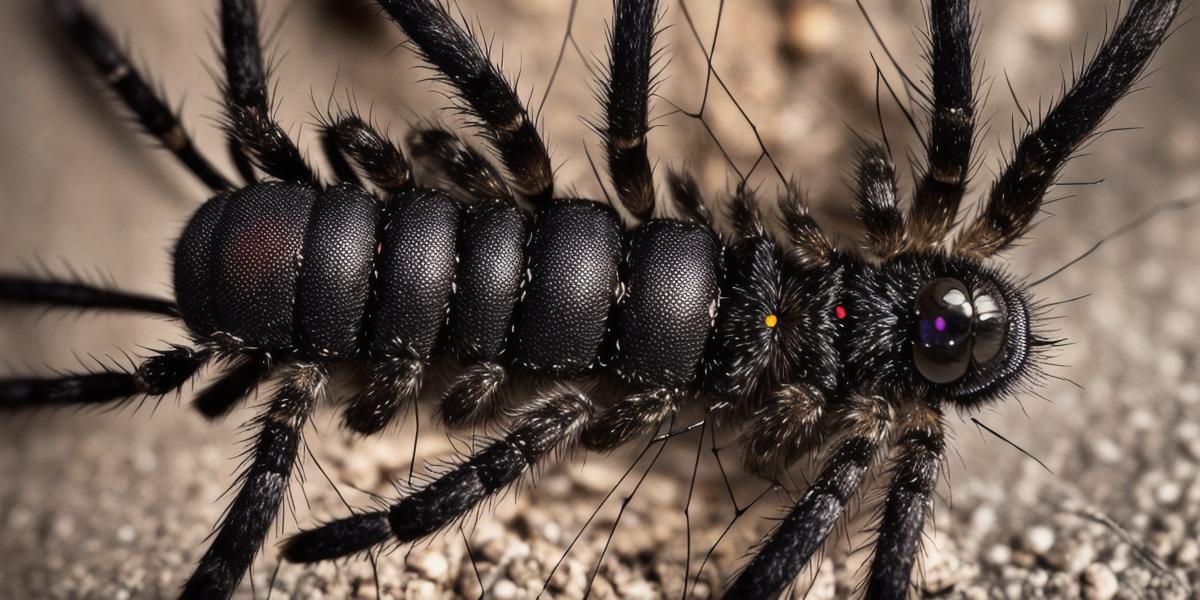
457,166
626,93
250,125
378,158
219,397
951,124
27,290
909,500
263,485
550,424
1017,194
159,375
156,118
483,91
878,205
804,530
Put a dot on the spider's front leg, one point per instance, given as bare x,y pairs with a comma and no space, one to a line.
865,424
919,454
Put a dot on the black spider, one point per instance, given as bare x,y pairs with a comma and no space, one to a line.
815,347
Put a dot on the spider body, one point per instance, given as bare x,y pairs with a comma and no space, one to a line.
812,347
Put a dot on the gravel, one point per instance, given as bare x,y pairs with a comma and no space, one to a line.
117,505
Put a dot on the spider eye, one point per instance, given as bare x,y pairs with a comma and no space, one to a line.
942,351
990,328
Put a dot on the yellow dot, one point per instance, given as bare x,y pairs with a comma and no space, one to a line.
771,321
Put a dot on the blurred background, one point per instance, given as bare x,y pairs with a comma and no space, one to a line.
117,505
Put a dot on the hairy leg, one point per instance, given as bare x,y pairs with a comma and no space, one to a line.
161,374
151,111
481,89
919,453
626,94
264,482
550,424
878,205
943,181
71,294
249,123
804,530
1017,195
379,159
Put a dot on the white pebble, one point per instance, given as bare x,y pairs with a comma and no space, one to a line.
1039,539
1099,582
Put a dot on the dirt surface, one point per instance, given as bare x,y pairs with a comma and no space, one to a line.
117,505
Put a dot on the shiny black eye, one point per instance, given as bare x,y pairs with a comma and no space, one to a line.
945,315
990,328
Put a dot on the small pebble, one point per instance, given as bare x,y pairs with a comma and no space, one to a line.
1039,539
1099,582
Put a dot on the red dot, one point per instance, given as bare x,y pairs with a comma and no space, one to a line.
840,312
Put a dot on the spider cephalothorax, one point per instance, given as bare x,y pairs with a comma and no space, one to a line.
848,358
938,327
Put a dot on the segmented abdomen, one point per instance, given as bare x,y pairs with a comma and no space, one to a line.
328,274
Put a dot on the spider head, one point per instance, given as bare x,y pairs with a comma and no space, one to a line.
946,328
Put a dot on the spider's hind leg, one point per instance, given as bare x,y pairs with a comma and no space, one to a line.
74,294
549,424
476,396
157,376
156,118
264,484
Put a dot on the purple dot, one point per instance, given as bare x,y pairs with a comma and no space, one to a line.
940,323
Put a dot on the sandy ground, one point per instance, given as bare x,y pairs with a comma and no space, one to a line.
117,505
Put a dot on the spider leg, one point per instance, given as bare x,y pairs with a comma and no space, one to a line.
784,429
394,383
58,293
685,193
238,382
378,158
918,456
482,90
803,531
161,374
249,123
1016,196
809,243
626,92
943,181
264,483
475,397
878,205
156,118
456,166
630,418
551,423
